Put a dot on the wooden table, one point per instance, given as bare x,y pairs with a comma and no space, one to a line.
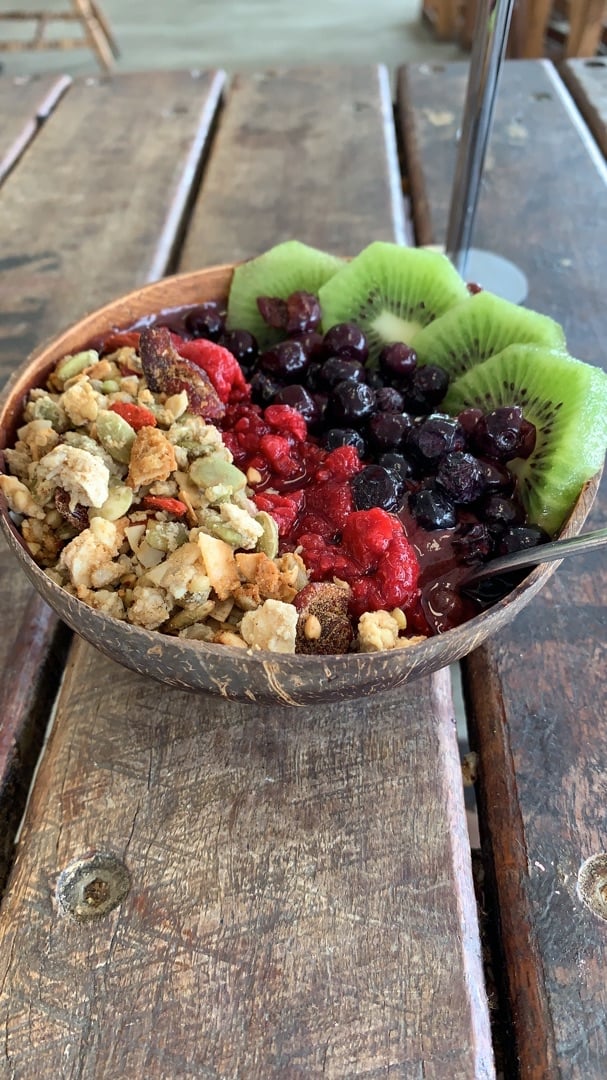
301,898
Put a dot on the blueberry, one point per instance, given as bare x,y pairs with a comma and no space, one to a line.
520,537
503,433
389,399
205,321
347,340
242,345
375,379
263,388
336,369
397,361
500,511
473,542
376,486
435,437
433,510
461,476
426,390
387,430
398,464
298,398
286,361
351,402
335,437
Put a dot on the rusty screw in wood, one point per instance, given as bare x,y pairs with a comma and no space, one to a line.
92,886
592,884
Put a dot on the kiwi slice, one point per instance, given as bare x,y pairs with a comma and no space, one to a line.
566,400
284,269
391,292
472,332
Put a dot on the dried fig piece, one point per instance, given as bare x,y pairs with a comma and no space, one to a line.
78,517
169,373
323,626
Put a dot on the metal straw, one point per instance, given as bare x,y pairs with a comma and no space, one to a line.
490,36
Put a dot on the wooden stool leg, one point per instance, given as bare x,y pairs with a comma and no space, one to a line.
106,28
95,34
585,27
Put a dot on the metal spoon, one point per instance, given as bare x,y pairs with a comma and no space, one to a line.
556,549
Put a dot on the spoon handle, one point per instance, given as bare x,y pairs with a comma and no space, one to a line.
557,549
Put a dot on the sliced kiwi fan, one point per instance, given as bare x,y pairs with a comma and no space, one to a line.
284,269
391,292
482,327
566,399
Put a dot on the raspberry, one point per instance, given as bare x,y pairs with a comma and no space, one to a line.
283,459
283,508
222,368
342,463
329,503
324,561
286,420
388,566
368,533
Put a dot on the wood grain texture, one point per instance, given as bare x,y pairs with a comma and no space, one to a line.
96,205
536,694
587,83
305,154
292,909
25,103
302,901
64,251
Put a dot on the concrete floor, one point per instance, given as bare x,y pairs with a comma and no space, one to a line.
238,35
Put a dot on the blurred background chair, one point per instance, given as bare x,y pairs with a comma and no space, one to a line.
554,28
96,33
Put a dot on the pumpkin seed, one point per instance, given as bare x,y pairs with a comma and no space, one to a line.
73,365
268,541
215,472
115,435
117,503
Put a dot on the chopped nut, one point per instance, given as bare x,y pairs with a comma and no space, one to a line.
312,628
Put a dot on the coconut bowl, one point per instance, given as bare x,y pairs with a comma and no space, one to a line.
236,674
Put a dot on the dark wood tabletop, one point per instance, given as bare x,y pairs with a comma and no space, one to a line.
298,895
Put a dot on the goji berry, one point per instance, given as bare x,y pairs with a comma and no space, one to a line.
135,415
165,502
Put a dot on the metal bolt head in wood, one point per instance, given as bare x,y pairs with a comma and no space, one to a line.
92,886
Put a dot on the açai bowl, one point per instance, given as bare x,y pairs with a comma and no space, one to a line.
268,482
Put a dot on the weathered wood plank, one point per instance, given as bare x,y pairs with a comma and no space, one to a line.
587,82
297,881
537,695
84,215
294,158
292,902
25,103
119,157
